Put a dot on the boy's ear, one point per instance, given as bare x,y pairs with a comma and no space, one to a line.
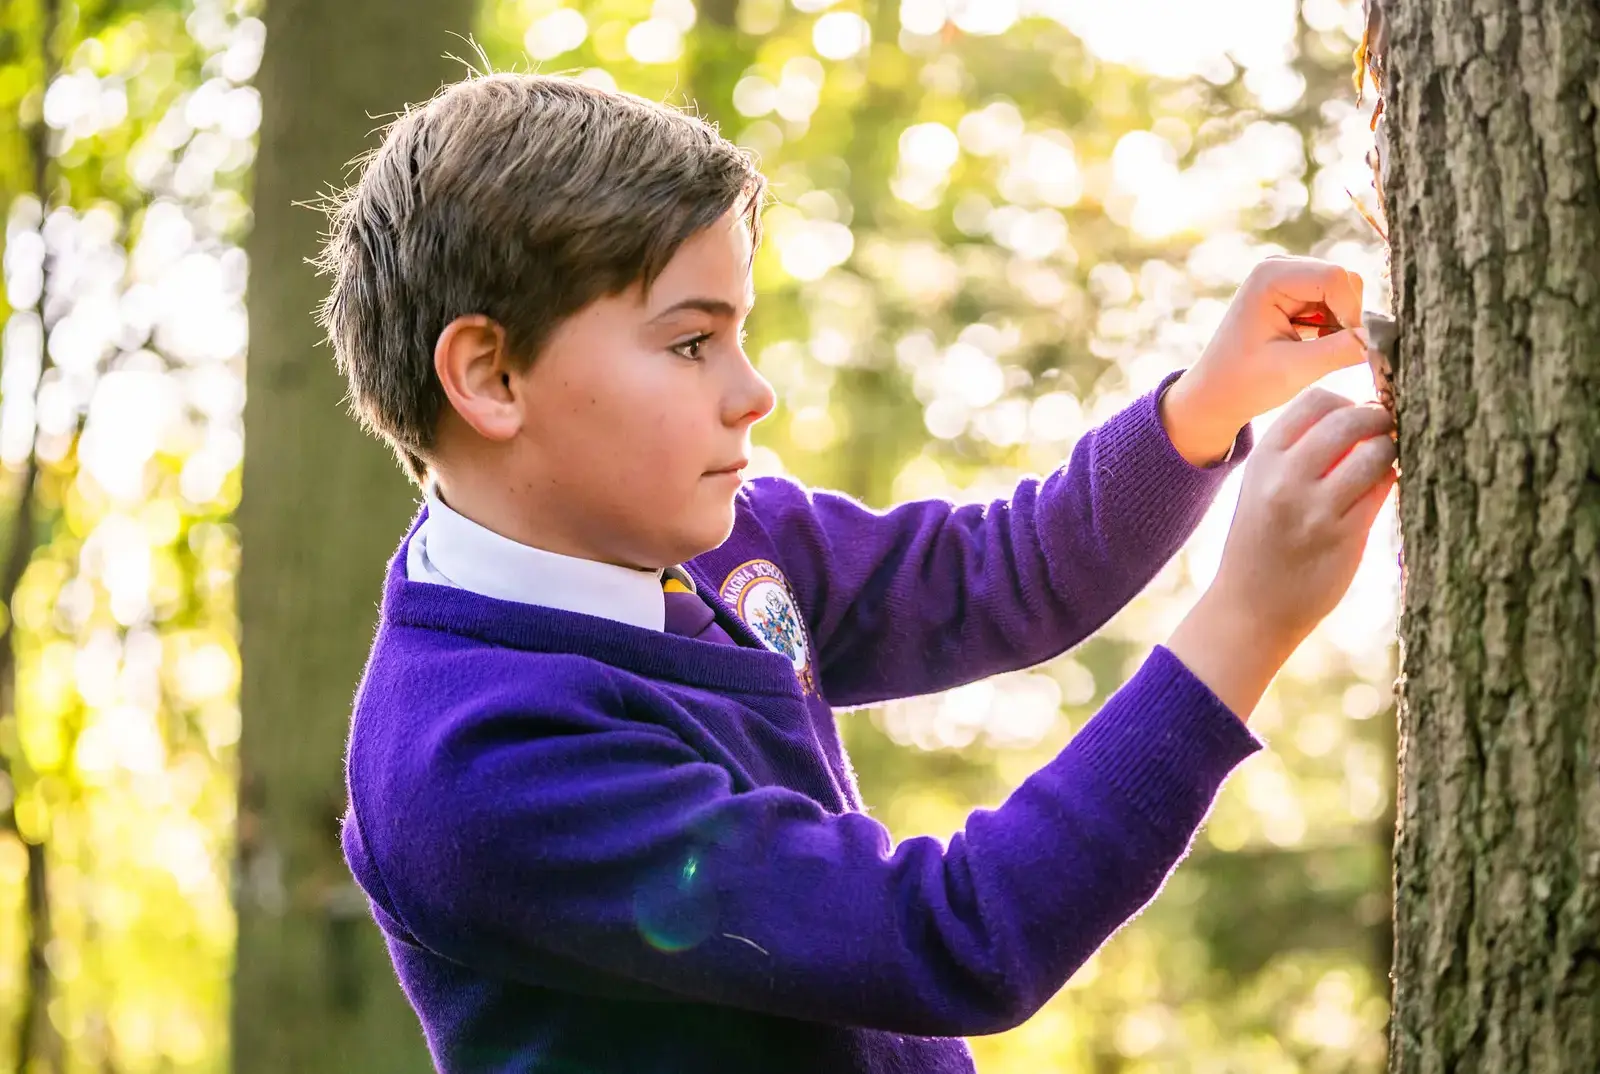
474,368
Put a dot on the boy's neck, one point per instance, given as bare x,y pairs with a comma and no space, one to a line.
508,520
490,505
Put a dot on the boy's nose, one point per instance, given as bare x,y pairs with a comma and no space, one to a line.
753,398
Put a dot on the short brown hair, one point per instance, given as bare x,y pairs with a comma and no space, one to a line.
521,197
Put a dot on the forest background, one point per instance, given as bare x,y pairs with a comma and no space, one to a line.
997,222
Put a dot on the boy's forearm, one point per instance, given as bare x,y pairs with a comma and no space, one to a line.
954,594
1231,651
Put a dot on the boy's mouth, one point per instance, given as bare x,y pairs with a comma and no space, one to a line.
732,469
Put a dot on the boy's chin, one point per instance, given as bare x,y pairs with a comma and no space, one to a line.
694,535
708,532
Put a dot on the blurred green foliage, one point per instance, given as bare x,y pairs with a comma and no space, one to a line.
994,224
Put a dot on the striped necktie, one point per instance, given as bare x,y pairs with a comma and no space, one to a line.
687,614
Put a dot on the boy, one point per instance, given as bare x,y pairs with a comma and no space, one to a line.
597,796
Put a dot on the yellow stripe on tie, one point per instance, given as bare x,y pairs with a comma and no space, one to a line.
672,585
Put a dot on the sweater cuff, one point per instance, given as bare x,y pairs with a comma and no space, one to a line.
1166,743
1150,488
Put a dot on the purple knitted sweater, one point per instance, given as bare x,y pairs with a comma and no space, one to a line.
594,847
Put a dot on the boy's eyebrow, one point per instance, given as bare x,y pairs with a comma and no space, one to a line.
714,306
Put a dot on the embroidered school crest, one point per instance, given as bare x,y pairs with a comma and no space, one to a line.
759,594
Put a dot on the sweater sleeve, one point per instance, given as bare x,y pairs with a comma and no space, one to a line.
927,596
606,847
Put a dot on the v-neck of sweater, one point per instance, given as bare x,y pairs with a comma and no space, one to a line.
748,666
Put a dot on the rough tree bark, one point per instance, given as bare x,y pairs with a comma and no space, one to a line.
322,508
1492,187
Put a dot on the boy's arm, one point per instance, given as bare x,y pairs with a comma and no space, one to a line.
927,596
586,839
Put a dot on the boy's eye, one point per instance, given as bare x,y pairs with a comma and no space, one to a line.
690,348
693,349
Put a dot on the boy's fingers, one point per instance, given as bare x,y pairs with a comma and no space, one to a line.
1293,283
1365,510
1307,361
1357,284
1305,411
1328,441
1360,472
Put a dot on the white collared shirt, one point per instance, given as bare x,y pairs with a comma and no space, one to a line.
451,549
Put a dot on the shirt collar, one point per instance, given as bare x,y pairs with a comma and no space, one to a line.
472,557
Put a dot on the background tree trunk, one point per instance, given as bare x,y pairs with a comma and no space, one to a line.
323,507
1493,197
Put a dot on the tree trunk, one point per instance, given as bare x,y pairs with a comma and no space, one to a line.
1493,195
323,507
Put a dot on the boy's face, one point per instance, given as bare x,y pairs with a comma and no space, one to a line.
637,414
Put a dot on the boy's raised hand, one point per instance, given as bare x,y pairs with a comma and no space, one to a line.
1310,494
1257,361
